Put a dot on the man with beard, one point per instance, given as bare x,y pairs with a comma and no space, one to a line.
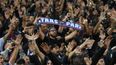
53,38
54,41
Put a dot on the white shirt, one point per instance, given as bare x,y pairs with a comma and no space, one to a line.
2,41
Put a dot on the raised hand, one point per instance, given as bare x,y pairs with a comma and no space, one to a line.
112,15
16,3
45,47
8,45
32,37
62,47
7,14
18,39
77,50
102,35
14,23
107,41
87,60
90,43
102,16
34,48
85,21
70,46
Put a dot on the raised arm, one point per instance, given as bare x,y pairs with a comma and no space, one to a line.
4,38
16,50
14,56
9,32
34,46
40,32
88,42
38,52
62,4
71,35
98,24
79,48
12,26
85,22
101,51
50,3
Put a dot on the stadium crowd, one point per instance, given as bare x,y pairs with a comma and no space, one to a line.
24,43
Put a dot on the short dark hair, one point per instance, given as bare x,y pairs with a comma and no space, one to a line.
77,60
49,28
54,45
20,61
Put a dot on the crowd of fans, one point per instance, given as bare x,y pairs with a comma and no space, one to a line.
24,43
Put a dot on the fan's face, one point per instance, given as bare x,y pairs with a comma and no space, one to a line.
49,62
101,62
53,32
30,29
1,59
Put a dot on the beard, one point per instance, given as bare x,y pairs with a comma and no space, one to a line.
54,35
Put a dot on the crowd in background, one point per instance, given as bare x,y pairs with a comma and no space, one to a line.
24,43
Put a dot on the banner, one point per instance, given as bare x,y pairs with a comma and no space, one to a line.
57,22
